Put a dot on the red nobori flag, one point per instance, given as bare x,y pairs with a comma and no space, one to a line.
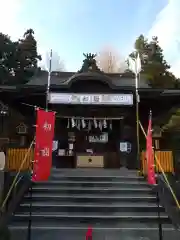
150,154
43,147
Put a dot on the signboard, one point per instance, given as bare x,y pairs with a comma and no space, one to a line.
103,138
94,99
125,147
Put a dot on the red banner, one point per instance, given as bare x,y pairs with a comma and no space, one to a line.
43,147
150,154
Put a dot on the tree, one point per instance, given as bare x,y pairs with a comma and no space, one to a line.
26,57
154,66
18,60
109,61
7,63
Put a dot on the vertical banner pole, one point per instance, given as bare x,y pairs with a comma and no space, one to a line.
137,123
135,66
49,80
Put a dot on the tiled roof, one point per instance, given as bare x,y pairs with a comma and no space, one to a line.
64,78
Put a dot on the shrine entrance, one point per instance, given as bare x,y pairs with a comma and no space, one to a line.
87,142
91,120
94,140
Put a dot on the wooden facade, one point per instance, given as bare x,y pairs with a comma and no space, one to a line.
15,157
164,161
122,118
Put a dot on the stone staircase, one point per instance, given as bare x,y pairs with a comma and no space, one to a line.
117,204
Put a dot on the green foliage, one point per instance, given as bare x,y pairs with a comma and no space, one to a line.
174,121
7,51
142,47
18,60
154,66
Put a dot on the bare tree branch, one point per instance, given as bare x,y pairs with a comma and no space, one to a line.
110,61
56,65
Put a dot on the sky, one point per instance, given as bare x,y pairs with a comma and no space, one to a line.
71,27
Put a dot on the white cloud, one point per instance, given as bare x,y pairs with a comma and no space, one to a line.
166,27
9,20
18,15
13,24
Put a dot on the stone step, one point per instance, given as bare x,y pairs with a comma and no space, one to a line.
70,183
88,207
113,178
90,190
95,172
97,225
93,197
93,187
90,217
118,204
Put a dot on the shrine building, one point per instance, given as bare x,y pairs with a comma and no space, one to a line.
95,117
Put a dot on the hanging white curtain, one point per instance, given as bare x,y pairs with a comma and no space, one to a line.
104,123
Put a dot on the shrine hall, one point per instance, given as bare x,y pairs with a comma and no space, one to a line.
96,122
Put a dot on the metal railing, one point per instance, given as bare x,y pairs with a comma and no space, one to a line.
165,159
16,178
158,166
163,172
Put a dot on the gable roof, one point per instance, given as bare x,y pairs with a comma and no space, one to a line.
65,79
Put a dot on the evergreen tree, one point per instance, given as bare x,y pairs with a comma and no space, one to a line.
26,57
7,63
154,66
18,60
142,47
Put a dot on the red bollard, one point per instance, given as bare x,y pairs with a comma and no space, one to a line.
89,233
